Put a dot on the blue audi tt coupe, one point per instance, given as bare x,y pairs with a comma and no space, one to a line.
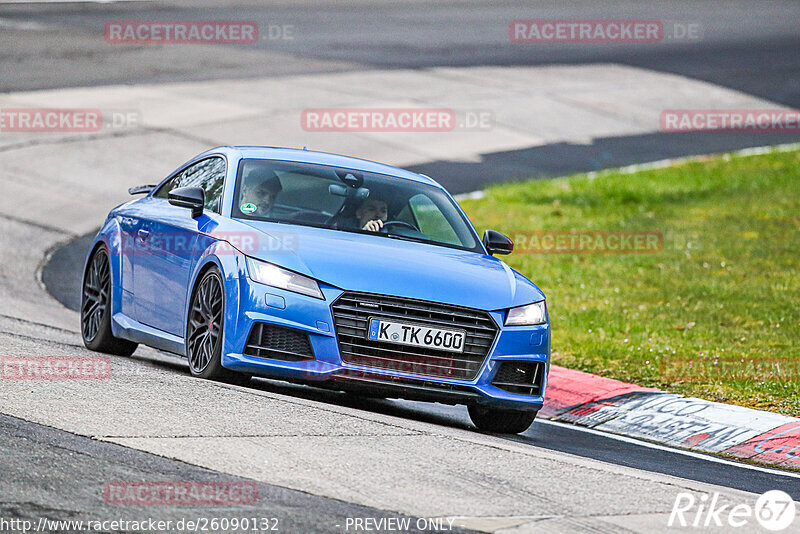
325,270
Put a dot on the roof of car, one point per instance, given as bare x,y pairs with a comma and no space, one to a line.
325,158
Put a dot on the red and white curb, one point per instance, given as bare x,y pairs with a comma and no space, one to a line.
686,422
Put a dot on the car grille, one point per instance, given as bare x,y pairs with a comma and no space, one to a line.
278,343
522,378
351,313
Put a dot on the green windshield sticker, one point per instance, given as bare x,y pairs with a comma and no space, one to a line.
248,208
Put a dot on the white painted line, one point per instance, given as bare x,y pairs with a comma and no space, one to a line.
656,446
11,24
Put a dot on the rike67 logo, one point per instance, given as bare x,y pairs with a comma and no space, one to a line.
774,511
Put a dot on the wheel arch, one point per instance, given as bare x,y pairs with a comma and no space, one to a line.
97,245
104,338
100,242
230,265
206,263
201,271
110,237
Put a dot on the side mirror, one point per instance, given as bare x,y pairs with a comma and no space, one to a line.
497,243
188,197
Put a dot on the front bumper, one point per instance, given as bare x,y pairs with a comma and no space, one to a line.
260,303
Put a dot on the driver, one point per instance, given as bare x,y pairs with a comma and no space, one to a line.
371,214
260,190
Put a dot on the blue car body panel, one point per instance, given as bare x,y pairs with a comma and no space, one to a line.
371,264
151,291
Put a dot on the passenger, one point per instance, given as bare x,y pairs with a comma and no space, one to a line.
259,191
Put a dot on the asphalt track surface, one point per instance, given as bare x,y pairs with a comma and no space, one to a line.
80,467
749,50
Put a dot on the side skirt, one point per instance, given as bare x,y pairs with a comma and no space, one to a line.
127,328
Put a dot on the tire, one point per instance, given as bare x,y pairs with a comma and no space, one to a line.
204,331
96,309
500,421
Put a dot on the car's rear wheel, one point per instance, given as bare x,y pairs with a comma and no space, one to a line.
501,421
204,331
96,309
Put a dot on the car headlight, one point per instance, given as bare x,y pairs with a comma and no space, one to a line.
272,275
535,313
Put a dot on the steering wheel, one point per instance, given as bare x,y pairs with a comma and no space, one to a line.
401,224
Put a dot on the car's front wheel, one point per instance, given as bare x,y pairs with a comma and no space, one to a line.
204,332
96,309
500,421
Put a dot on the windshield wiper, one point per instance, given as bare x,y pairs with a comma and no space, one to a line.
409,238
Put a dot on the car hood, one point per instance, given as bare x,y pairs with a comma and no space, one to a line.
376,264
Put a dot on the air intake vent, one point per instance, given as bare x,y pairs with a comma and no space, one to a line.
278,343
351,313
522,378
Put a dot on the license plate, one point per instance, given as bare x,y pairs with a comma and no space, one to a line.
416,335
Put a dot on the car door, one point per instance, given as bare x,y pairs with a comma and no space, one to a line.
168,239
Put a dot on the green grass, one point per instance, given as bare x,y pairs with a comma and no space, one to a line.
724,288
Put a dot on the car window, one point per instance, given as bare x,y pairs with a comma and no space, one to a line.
431,220
209,174
349,200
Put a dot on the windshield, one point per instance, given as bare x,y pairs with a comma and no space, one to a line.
350,201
